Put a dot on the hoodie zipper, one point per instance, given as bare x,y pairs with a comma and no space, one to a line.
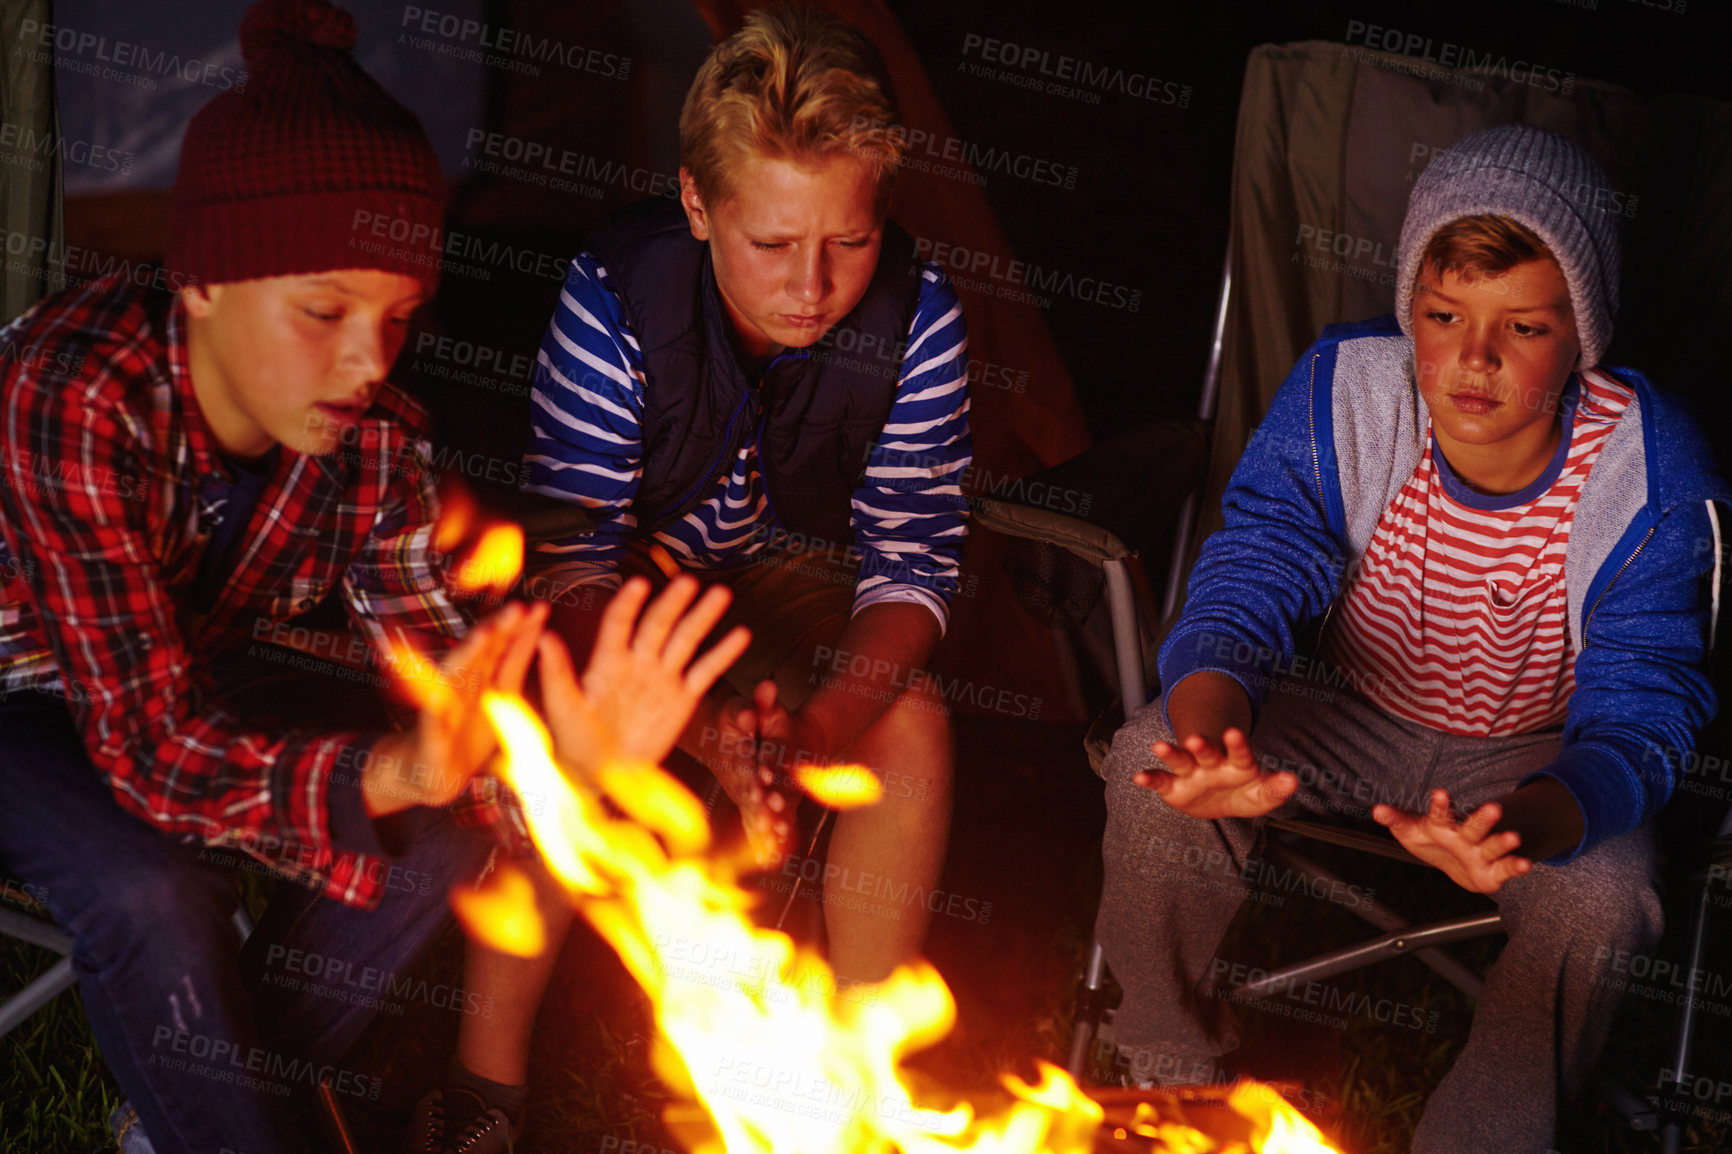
1628,561
1311,419
1317,474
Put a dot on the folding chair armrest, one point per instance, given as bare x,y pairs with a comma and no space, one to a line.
1090,542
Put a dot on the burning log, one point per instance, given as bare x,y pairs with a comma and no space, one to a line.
1245,1118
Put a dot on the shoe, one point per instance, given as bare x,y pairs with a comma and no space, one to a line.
458,1122
128,1131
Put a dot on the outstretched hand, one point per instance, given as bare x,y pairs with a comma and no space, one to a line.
642,682
451,741
757,741
1207,780
1472,855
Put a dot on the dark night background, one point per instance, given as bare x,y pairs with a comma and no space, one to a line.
1149,211
1152,208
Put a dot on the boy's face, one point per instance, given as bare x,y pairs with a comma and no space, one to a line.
293,360
1492,355
794,249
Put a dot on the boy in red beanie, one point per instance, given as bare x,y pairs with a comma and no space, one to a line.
182,476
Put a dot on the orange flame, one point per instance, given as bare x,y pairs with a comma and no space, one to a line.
1276,1128
457,516
767,1055
840,786
495,561
501,913
494,564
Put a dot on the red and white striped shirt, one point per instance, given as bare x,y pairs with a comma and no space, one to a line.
1456,617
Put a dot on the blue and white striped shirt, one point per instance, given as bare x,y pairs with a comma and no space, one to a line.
908,514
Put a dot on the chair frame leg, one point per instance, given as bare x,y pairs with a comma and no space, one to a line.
47,986
1090,1006
1675,1102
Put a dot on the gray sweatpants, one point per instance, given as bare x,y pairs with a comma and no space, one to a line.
1174,883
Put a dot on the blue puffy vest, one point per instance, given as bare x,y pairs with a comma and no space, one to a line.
816,413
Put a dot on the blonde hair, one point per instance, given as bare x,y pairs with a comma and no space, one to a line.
795,83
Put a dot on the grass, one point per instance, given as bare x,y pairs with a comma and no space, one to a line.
1026,839
55,1093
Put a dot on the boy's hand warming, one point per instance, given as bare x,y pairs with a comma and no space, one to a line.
1213,771
1473,856
756,747
1207,780
641,684
452,740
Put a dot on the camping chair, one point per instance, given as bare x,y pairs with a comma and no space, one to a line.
46,986
1100,546
1328,141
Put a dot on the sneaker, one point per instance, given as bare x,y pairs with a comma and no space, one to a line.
459,1122
128,1131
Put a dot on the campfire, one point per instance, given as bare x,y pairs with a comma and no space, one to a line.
763,1052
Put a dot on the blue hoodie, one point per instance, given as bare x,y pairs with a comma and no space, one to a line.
1343,435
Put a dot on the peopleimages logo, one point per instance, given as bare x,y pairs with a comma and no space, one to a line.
499,46
1448,54
923,148
30,149
1071,76
135,64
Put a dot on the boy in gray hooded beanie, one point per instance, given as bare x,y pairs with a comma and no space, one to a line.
1499,545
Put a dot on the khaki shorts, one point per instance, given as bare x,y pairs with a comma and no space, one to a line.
792,602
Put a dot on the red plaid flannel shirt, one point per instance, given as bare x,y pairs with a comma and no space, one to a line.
102,452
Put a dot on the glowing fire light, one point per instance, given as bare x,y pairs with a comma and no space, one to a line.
766,1053
1276,1127
840,786
754,1030
501,914
495,560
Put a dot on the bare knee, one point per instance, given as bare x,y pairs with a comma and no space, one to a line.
911,743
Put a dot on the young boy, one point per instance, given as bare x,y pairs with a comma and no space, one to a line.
762,383
183,474
1503,544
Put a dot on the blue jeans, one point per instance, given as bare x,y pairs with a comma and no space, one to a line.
214,1045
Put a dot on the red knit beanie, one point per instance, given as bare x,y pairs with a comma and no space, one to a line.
308,166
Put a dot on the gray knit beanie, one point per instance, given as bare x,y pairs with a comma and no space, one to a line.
1539,180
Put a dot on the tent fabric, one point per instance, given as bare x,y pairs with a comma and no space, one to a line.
30,171
1329,142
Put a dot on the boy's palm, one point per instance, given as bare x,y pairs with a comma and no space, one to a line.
1474,858
452,740
641,685
1209,781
